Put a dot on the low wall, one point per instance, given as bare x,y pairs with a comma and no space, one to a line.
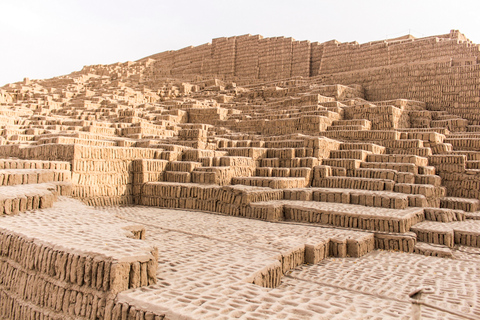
46,281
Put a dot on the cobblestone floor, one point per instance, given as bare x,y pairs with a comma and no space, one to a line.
204,259
206,262
75,226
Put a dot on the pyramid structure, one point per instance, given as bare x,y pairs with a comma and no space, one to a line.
377,145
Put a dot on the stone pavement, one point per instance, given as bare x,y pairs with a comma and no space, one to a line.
205,259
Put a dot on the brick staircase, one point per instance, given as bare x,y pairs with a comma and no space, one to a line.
29,185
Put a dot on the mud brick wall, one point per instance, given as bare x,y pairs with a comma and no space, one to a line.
462,184
223,53
275,58
375,136
146,171
344,57
50,152
40,196
244,56
341,92
316,54
219,170
104,176
191,60
187,61
38,180
146,129
69,140
464,144
193,135
321,146
100,175
256,57
58,283
301,52
5,97
236,200
441,70
246,65
459,181
352,220
443,86
237,167
381,117
207,115
302,124
35,164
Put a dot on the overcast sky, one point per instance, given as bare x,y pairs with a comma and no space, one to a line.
43,39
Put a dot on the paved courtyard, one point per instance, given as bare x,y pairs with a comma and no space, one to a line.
207,263
205,258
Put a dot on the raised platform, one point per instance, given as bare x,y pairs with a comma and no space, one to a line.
244,127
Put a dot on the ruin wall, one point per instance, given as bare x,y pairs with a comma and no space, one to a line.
100,175
441,70
443,86
247,56
256,57
353,56
44,280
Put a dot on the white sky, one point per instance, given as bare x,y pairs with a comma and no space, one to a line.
43,39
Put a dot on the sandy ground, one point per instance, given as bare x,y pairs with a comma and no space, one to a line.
205,261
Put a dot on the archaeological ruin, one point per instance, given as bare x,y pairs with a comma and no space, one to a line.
249,177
